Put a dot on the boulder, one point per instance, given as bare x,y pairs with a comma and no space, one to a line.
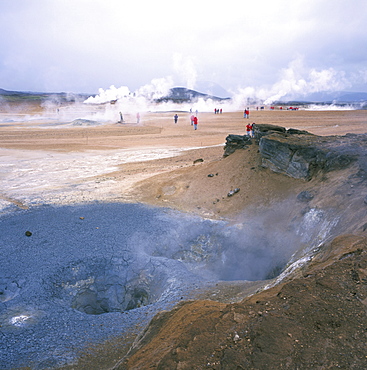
261,130
234,142
302,156
305,196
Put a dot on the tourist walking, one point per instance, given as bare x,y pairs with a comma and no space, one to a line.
192,119
175,117
195,123
250,129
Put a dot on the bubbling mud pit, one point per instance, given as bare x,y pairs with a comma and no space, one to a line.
83,274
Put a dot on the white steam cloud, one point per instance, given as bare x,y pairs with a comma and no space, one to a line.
295,81
185,68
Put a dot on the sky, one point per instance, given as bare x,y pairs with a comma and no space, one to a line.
263,48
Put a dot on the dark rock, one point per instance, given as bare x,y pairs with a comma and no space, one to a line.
261,130
294,131
234,142
211,175
302,156
233,192
200,160
305,196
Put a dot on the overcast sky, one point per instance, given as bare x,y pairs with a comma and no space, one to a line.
259,45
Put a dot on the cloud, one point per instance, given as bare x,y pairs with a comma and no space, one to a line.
185,69
295,81
84,45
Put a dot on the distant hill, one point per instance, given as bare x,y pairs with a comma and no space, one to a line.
15,96
182,94
331,97
176,94
353,97
212,88
6,92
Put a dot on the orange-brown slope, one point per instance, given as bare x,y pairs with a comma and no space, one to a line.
317,320
203,187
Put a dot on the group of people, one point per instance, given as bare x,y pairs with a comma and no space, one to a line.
250,129
122,118
193,119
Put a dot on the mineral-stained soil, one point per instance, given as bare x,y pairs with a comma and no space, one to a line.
315,318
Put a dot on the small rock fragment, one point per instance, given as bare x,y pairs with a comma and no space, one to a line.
233,192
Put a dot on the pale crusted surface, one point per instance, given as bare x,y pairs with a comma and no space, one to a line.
189,187
316,320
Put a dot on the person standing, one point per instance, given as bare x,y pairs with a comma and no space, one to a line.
175,118
138,118
192,119
249,129
195,123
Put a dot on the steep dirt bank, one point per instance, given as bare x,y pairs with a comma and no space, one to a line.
315,318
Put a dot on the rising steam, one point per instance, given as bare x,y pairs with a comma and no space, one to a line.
295,81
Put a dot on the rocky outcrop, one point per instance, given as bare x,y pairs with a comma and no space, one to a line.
234,142
300,154
267,129
263,130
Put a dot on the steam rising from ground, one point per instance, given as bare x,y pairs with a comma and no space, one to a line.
294,83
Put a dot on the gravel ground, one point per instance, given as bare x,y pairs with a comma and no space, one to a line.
80,261
75,276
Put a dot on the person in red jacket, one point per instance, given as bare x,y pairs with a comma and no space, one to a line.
249,129
195,123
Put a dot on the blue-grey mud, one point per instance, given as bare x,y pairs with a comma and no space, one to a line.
72,276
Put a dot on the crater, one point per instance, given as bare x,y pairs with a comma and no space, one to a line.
9,289
100,286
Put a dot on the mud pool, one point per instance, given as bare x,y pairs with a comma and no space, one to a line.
72,276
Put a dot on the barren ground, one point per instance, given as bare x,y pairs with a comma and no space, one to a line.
316,320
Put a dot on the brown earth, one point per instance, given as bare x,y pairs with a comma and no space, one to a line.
314,319
317,320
